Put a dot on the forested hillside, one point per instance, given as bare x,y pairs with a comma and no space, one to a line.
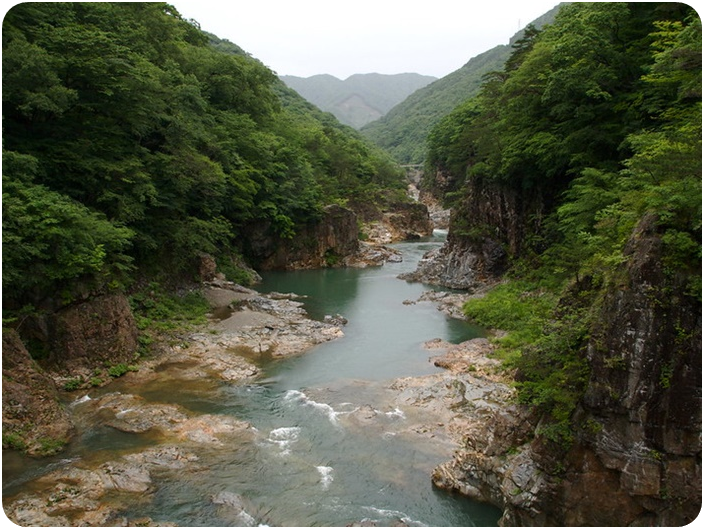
133,143
403,131
360,98
594,122
575,175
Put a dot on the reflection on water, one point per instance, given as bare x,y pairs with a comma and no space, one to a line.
384,336
329,448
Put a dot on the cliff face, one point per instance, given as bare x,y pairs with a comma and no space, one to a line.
32,417
643,401
334,239
403,222
318,245
71,342
636,458
486,229
97,332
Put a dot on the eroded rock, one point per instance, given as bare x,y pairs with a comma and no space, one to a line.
33,418
85,496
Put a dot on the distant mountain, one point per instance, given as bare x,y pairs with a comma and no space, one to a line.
403,131
359,99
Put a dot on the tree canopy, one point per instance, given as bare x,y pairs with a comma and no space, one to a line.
594,125
600,114
134,141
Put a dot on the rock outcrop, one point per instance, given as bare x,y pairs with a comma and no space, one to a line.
439,216
636,454
643,401
87,334
33,418
318,245
73,341
333,241
486,230
461,264
403,222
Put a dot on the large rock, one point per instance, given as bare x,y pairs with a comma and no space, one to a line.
403,221
93,333
263,327
460,264
133,414
439,216
87,495
32,417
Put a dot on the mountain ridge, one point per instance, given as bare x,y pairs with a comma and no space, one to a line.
360,98
403,130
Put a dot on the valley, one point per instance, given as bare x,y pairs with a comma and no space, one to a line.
225,306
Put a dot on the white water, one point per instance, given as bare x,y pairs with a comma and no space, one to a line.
331,449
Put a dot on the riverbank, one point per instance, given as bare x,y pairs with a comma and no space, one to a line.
170,441
246,329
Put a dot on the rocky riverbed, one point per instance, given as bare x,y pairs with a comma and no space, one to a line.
247,328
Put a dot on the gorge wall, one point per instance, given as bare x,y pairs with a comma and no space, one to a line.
33,419
643,400
334,240
487,228
316,245
79,341
636,454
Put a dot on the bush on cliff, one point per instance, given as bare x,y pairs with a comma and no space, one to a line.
595,124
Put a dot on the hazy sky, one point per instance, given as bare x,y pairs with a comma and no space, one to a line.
308,37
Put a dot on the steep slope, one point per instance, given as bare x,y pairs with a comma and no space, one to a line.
565,188
149,152
138,150
359,99
403,131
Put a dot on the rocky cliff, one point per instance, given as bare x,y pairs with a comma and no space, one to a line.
643,400
334,239
32,417
403,222
96,332
320,244
636,456
78,341
487,228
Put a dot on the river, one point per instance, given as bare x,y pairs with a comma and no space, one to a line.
318,461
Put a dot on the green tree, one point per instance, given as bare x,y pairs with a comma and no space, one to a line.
137,120
50,240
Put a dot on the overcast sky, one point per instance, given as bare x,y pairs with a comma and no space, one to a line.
308,37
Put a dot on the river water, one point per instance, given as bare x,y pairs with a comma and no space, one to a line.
318,461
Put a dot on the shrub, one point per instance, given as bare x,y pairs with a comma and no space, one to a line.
73,384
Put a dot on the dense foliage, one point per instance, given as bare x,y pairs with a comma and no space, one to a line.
404,130
599,115
134,142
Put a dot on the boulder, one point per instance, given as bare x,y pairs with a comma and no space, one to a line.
85,335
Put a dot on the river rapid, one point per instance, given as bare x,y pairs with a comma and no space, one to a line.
330,447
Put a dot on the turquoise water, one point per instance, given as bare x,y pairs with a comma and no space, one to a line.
383,337
315,460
